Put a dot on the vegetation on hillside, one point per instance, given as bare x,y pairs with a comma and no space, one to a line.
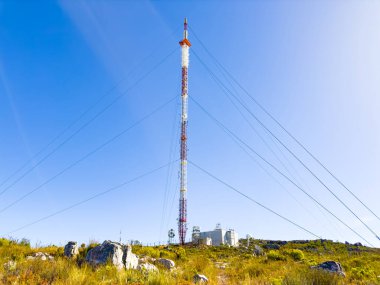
280,263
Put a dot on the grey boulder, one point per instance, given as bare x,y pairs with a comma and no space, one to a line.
119,255
71,249
331,266
108,251
199,278
167,263
258,250
147,267
130,259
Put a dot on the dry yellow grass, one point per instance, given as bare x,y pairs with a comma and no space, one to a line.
222,265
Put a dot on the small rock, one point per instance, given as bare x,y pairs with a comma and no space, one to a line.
221,265
358,244
10,265
146,259
143,259
40,256
331,266
71,249
258,250
199,278
167,263
147,267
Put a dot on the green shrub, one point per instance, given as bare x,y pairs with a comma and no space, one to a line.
253,270
295,254
312,277
362,273
275,255
149,251
276,281
357,263
4,242
25,242
180,253
168,254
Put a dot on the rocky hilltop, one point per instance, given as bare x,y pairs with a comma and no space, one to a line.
254,261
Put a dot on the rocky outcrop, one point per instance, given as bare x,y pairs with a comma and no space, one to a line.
131,260
119,255
167,263
40,256
199,278
331,266
108,251
71,249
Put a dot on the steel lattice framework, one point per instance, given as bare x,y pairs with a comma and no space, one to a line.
182,219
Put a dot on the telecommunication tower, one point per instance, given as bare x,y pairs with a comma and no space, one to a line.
182,219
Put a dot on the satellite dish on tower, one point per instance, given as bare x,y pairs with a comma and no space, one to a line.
171,236
248,237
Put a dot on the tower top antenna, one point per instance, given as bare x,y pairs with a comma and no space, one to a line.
185,33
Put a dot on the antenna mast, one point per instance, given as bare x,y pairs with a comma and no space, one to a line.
182,219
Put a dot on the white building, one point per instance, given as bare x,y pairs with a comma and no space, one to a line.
216,237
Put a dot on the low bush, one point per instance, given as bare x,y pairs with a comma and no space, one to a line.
275,255
312,277
295,254
362,273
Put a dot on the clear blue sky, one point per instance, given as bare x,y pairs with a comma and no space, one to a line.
313,64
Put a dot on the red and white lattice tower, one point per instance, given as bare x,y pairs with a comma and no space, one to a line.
182,219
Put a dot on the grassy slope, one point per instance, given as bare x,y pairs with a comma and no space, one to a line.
222,265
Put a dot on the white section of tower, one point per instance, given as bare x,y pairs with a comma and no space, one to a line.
185,65
185,56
